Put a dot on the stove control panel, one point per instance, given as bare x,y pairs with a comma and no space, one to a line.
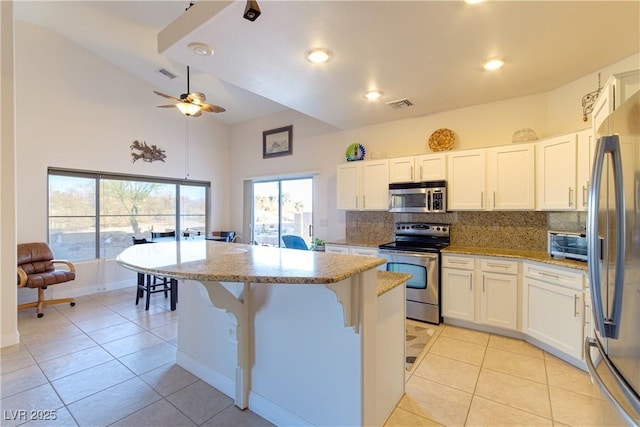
421,229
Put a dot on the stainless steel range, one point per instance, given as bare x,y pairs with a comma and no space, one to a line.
416,250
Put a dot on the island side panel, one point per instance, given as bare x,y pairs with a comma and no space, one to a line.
390,352
306,362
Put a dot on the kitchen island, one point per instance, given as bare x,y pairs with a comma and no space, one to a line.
299,337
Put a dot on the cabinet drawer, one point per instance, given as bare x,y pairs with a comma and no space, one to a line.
363,251
555,276
499,266
460,262
336,249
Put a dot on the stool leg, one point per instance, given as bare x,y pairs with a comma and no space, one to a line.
174,294
140,285
148,292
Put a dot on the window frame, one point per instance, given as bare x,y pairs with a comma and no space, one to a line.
98,176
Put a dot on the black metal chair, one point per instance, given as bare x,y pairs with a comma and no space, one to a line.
153,284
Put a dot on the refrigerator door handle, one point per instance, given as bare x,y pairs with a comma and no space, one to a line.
605,386
608,327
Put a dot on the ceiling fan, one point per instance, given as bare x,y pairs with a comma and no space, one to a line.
191,104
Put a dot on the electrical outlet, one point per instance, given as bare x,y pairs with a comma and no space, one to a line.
232,334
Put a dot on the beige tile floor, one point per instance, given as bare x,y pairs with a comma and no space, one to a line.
109,362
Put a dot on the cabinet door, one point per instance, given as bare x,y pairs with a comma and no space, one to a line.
552,314
401,169
499,300
431,167
465,172
457,294
557,173
375,185
348,178
511,177
584,160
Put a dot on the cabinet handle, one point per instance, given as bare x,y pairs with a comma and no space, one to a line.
482,283
552,276
453,261
575,305
420,172
570,192
470,283
497,265
364,202
482,200
412,178
494,199
584,194
356,202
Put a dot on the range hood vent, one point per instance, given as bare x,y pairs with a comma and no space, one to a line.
400,103
168,74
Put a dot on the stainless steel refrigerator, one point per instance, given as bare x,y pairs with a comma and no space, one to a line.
613,233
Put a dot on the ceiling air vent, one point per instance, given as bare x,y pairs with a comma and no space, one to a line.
400,103
168,74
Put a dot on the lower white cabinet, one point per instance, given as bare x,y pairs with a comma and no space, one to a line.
351,250
553,308
480,290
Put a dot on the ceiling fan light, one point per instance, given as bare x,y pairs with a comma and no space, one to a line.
372,95
187,108
318,55
493,64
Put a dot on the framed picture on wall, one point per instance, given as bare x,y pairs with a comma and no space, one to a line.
277,142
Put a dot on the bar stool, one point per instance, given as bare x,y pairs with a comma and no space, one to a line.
152,284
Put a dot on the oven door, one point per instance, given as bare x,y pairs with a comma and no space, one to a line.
423,289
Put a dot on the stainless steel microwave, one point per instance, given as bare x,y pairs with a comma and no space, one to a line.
428,196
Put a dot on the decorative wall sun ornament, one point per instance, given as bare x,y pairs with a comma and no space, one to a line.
148,153
589,99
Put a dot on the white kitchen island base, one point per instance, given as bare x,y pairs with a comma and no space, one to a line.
307,367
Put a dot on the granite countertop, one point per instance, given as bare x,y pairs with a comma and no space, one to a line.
233,262
538,256
388,280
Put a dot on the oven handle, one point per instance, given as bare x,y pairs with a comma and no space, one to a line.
430,255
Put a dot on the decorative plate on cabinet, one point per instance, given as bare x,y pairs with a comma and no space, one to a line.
442,140
355,151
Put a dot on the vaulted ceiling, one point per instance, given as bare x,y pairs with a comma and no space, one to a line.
430,52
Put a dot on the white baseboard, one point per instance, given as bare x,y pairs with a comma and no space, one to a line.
257,404
12,338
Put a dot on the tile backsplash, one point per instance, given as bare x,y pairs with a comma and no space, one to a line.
509,230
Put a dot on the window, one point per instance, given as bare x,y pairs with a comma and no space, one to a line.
282,207
95,215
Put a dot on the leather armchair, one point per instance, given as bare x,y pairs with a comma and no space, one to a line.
37,269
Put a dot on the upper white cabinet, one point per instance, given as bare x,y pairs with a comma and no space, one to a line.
511,177
466,180
363,185
584,160
556,173
617,89
426,167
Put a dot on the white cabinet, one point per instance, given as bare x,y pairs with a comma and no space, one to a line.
427,167
617,89
480,290
584,160
552,307
363,185
511,177
499,293
556,173
351,250
466,180
458,300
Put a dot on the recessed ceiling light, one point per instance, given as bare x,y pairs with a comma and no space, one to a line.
473,1
372,95
494,64
200,49
318,55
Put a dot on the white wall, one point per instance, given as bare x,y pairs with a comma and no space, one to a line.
75,110
8,320
322,148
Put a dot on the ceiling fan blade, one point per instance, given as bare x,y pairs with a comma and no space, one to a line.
212,108
166,96
166,106
196,98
